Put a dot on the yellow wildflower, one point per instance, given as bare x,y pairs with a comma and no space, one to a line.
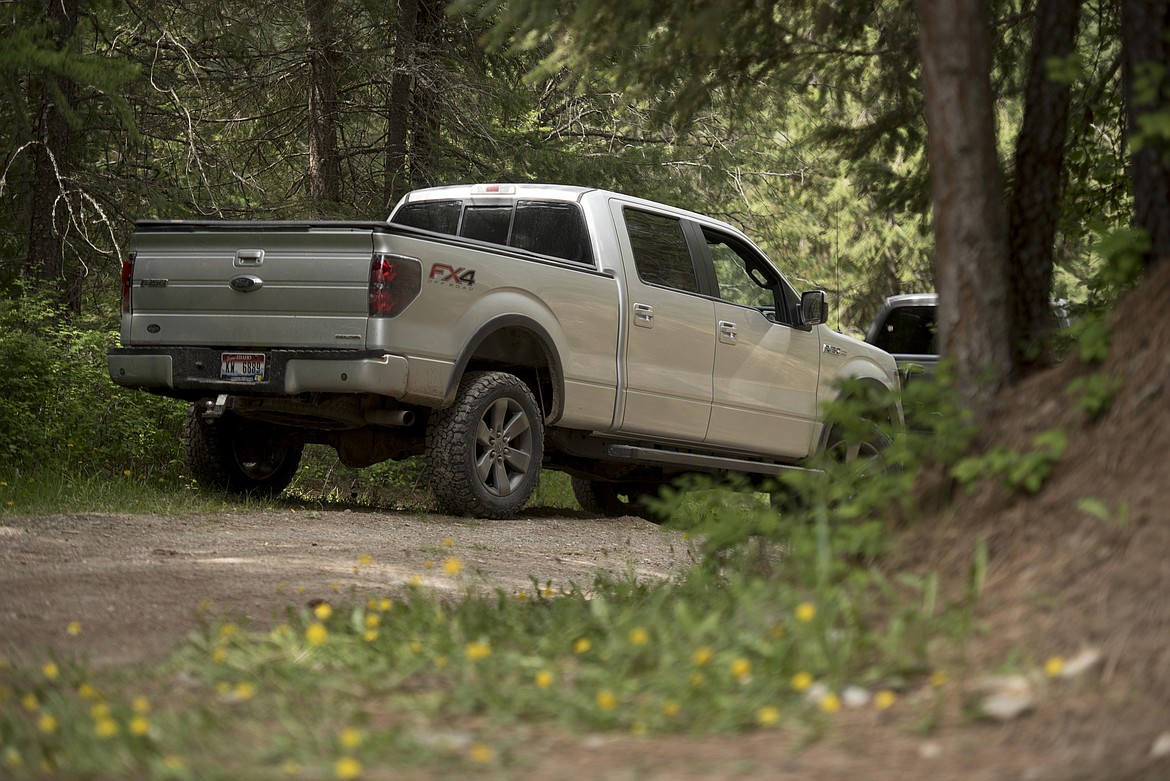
86,691
698,679
105,728
370,635
219,655
323,611
416,646
452,566
99,711
47,724
830,703
350,737
478,650
768,716
606,700
805,612
801,681
582,645
385,604
316,634
335,586
428,564
639,636
139,726
373,620
884,700
347,768
441,661
1054,666
741,669
547,592
522,596
670,709
482,754
51,671
544,679
703,655
74,628
140,705
245,690
228,630
30,702
938,678
365,560
415,580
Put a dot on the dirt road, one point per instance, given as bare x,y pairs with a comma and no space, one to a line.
137,583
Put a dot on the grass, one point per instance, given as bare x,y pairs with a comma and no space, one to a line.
782,621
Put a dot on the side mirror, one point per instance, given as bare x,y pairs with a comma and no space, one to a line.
813,308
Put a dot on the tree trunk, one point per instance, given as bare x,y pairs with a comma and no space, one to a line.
424,105
397,176
324,163
1145,53
1035,203
49,216
970,226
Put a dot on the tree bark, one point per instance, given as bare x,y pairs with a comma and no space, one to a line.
324,172
424,105
970,226
48,214
1145,53
397,175
1036,190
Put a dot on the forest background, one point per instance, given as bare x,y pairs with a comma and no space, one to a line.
801,122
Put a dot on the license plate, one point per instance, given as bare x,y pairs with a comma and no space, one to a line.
241,367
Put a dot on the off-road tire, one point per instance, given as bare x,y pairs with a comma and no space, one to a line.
871,447
484,452
237,455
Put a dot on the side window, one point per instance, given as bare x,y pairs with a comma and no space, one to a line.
660,250
740,282
487,223
910,330
556,229
437,216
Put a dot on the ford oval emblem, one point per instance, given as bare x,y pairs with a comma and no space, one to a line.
246,284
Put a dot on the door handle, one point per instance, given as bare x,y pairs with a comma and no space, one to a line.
726,332
644,315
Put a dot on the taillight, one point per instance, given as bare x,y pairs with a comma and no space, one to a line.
395,281
127,282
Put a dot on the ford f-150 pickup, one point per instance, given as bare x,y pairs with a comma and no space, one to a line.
497,329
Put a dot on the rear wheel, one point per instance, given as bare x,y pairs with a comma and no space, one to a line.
484,452
237,455
614,499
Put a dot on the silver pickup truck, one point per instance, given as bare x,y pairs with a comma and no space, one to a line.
497,329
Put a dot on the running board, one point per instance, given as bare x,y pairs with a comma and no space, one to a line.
675,458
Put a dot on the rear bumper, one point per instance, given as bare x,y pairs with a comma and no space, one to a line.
193,372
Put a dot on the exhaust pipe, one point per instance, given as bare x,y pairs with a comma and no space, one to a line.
390,417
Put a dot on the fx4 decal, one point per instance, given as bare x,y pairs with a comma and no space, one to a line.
449,275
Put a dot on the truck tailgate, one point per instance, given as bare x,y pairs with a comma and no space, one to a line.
256,286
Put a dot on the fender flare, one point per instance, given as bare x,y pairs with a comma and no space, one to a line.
495,325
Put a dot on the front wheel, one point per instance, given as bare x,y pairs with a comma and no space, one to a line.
240,456
484,452
864,452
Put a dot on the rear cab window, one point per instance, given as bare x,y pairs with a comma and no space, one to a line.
550,228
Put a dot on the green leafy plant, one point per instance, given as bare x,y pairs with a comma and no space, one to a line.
1094,393
1025,472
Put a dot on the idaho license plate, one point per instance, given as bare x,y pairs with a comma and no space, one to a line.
242,367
